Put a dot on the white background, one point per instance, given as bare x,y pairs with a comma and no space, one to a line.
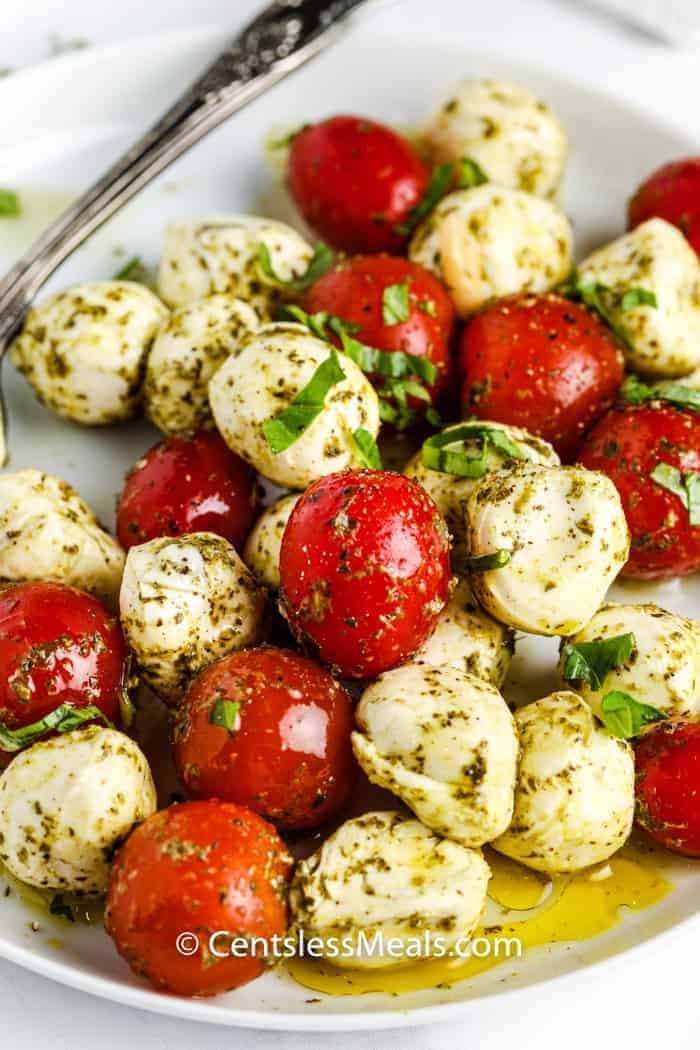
644,1002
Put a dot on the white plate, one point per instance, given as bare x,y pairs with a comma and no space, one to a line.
62,123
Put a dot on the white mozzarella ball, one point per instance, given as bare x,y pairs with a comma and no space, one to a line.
65,803
264,378
566,534
467,638
663,340
664,668
451,492
184,603
443,742
488,242
574,798
187,351
47,532
514,137
262,550
384,874
84,350
204,256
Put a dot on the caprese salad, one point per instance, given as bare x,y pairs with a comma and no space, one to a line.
360,622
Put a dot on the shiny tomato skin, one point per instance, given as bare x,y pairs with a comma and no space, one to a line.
364,570
540,362
353,290
667,764
197,868
355,181
187,484
57,646
672,192
289,758
627,444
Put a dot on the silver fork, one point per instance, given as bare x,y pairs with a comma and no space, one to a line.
283,37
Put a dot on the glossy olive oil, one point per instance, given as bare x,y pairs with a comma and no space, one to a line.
563,908
62,908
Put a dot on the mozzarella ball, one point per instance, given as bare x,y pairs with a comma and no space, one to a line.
514,138
664,668
488,242
567,537
67,802
262,550
264,378
84,350
663,340
204,256
187,351
469,640
443,742
185,602
574,798
451,492
47,532
385,874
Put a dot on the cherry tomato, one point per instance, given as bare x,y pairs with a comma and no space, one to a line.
671,193
627,445
359,291
57,646
188,872
285,751
667,762
540,362
187,484
364,570
355,181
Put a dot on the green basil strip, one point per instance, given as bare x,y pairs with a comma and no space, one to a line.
591,662
624,717
367,448
438,186
670,478
593,294
320,262
59,906
391,364
428,307
134,270
10,206
692,488
436,456
487,562
224,713
64,719
286,428
637,297
636,392
395,304
470,174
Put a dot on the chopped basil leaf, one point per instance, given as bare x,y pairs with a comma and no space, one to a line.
487,562
10,206
59,906
316,323
636,392
428,307
224,713
395,304
391,364
670,478
436,456
134,270
437,188
367,448
321,261
637,297
591,662
470,174
286,428
692,487
63,719
286,140
624,716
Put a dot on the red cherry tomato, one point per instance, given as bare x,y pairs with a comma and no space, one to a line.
540,362
354,290
355,181
627,445
57,646
671,193
190,871
287,754
187,484
364,570
667,761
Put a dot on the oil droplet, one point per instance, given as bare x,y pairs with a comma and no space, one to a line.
576,908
